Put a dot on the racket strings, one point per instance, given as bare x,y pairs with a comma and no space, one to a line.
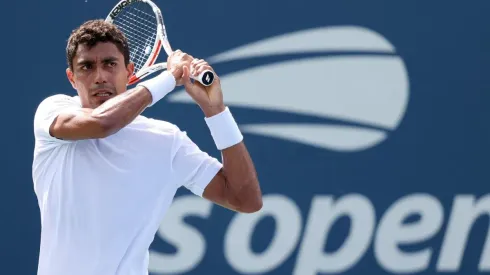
140,28
139,42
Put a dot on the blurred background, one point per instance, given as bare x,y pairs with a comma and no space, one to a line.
367,122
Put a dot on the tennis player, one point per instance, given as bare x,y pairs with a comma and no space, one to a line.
104,175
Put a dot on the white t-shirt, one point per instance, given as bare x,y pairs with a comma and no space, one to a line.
102,200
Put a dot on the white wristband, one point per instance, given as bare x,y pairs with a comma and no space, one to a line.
224,129
159,86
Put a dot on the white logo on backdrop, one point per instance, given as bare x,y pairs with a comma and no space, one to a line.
368,90
367,93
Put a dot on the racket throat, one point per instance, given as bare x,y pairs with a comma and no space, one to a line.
157,52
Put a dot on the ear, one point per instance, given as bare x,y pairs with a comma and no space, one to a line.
71,78
130,69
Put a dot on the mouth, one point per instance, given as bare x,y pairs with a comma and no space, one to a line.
102,93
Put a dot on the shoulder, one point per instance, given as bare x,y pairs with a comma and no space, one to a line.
59,99
48,109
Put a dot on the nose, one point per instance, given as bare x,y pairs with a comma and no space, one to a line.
100,76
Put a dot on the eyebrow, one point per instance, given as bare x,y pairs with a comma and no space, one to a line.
104,60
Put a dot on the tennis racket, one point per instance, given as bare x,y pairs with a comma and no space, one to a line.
141,21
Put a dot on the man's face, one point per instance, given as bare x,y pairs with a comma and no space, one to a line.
99,73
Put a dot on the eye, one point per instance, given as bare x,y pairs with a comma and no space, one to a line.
112,64
86,67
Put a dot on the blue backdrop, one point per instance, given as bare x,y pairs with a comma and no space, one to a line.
367,121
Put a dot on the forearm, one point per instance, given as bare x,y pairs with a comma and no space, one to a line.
119,111
237,186
122,109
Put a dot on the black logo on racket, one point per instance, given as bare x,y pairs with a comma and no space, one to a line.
207,78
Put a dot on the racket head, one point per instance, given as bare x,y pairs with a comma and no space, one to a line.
141,21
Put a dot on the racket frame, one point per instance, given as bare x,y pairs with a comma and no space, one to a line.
161,40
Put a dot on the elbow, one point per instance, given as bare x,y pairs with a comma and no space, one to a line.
253,203
250,208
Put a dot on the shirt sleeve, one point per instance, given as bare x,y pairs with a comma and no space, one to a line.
46,113
192,168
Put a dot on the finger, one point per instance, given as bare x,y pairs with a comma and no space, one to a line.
186,78
199,62
176,53
184,56
187,57
185,73
202,68
194,64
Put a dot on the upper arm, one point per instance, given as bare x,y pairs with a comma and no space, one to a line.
203,175
217,192
191,167
237,199
60,117
206,177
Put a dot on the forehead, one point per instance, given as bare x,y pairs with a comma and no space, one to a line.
100,50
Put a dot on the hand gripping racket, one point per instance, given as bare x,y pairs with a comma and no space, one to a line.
141,21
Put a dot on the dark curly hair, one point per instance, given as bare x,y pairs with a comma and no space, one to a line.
92,32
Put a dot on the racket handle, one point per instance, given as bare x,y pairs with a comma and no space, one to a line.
206,78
